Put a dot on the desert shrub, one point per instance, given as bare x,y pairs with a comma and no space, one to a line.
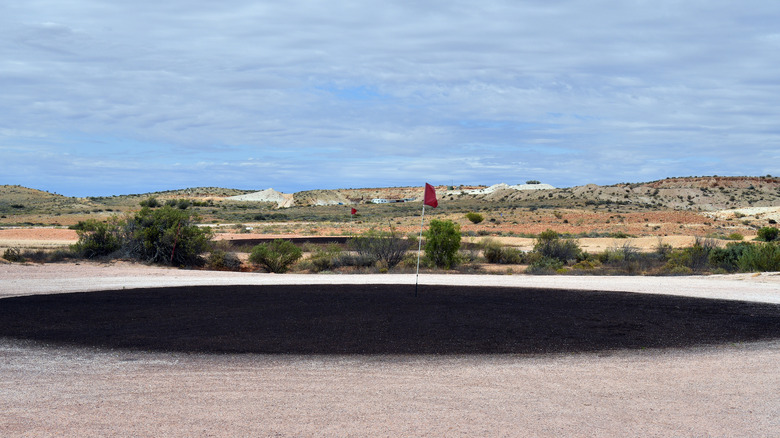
277,256
150,202
166,236
62,254
763,257
494,252
679,270
695,257
385,247
586,265
549,244
626,259
220,260
662,250
324,259
467,256
491,249
181,204
442,241
726,258
544,265
13,255
97,239
475,218
346,259
86,225
620,255
735,236
410,261
768,234
677,258
36,256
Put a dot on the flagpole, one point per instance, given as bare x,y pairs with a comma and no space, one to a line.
419,248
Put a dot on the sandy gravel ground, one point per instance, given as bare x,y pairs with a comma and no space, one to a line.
728,390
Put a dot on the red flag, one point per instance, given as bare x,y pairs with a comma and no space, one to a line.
354,212
430,196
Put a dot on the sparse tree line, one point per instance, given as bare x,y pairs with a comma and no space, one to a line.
167,234
553,253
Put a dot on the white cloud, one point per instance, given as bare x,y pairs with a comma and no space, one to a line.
313,85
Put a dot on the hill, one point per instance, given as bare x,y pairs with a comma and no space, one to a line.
745,201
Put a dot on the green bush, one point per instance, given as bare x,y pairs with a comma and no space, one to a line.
181,204
97,239
544,265
382,247
586,265
760,258
549,244
679,270
491,249
662,250
220,260
696,257
735,236
277,256
166,236
150,202
768,234
442,241
475,218
727,258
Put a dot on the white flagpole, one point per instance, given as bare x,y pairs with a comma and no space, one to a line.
419,248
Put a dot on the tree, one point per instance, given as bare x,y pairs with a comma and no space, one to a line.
442,241
166,236
768,234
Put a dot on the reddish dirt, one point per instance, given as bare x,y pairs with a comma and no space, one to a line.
38,234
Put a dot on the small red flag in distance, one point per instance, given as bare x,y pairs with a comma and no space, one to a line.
354,212
430,196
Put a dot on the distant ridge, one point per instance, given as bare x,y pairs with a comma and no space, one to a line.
701,193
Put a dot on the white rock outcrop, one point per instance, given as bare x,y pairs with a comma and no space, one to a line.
267,195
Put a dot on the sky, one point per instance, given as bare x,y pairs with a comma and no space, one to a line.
107,97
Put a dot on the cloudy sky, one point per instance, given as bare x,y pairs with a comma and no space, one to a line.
101,97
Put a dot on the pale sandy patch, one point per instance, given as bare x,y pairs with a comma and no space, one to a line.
732,390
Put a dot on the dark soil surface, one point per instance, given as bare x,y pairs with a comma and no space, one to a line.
381,319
